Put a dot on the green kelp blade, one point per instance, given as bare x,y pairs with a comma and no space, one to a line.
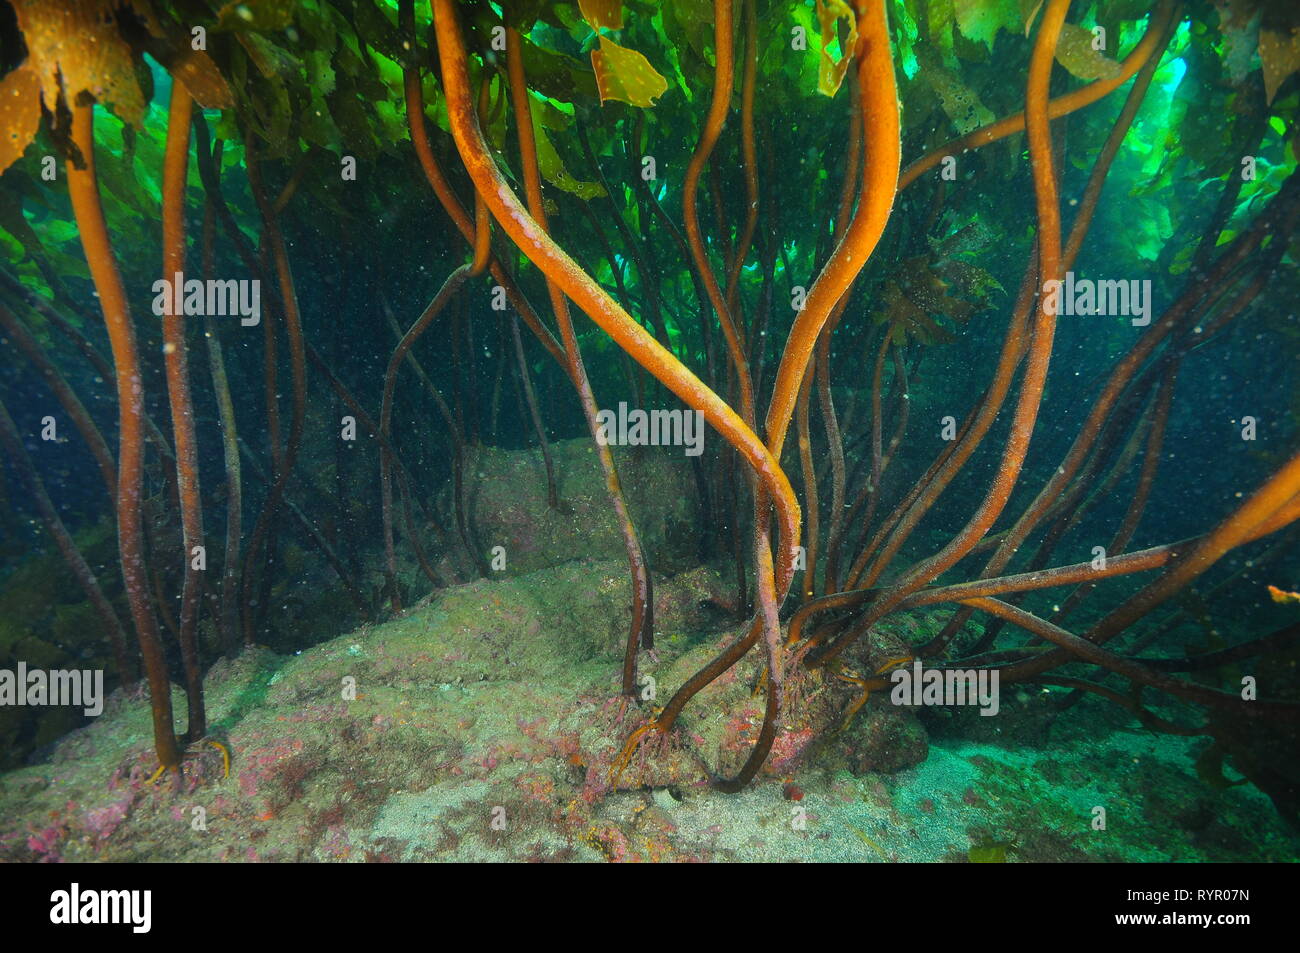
626,75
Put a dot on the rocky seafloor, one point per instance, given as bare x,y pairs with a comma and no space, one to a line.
482,724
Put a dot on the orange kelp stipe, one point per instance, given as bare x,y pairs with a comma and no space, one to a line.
1038,357
723,82
882,157
442,189
589,296
83,189
878,102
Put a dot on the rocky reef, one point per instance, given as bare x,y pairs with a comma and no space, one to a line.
484,723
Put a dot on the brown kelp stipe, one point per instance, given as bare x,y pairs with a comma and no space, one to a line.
449,419
175,170
386,446
311,532
16,455
83,189
31,348
448,290
298,365
534,413
229,612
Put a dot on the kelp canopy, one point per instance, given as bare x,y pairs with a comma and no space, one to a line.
944,279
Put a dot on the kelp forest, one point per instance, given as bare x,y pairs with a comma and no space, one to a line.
618,430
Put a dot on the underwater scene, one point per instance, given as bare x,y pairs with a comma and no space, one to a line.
856,431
